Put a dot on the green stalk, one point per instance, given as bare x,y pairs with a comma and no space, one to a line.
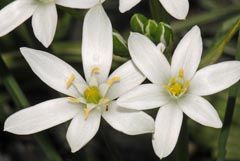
222,142
20,101
182,144
158,12
205,18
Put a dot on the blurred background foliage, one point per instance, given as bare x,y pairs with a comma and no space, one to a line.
219,21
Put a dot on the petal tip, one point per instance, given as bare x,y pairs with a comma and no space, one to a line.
218,124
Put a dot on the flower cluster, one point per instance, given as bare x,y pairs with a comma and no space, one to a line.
119,97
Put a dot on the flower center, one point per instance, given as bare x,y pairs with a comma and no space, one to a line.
45,1
177,86
92,95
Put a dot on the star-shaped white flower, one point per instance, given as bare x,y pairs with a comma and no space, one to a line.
176,8
44,16
88,100
178,89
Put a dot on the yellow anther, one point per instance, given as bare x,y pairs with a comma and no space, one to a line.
181,73
166,87
74,100
113,80
95,70
70,80
104,100
86,112
187,84
172,80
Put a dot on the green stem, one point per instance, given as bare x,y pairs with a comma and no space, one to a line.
222,142
20,100
158,12
205,18
182,145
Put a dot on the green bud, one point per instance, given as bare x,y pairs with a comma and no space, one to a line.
119,45
164,33
151,27
138,22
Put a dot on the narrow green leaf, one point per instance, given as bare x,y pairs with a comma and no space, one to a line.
224,134
205,18
20,100
214,53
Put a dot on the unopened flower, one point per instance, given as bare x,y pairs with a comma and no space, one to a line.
44,16
177,88
88,100
176,8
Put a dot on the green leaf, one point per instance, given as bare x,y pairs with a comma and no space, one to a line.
215,52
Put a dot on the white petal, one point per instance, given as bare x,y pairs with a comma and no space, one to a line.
41,116
44,22
52,71
82,130
176,8
15,14
188,53
128,121
125,5
215,78
149,59
200,110
97,43
146,96
130,77
81,4
167,128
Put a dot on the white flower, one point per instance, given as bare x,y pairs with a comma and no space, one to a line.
44,16
177,88
88,100
176,8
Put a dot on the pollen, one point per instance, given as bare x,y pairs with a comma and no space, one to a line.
92,95
177,86
70,80
86,112
113,80
74,100
95,70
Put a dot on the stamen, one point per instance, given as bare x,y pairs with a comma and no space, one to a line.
104,100
187,84
86,112
172,80
95,70
70,80
74,100
113,80
177,86
166,87
181,74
